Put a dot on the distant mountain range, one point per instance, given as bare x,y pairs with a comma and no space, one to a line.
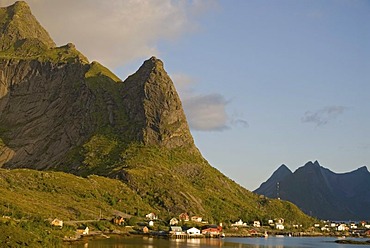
322,193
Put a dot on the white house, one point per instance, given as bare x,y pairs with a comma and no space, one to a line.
279,226
256,223
193,231
151,223
325,229
176,230
239,223
342,227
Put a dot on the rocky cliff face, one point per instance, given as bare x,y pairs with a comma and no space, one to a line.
44,111
154,107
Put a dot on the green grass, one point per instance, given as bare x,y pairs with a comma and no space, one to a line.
29,198
62,195
33,49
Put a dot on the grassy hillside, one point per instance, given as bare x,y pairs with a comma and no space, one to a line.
29,193
29,198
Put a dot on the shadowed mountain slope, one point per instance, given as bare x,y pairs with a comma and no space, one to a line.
322,193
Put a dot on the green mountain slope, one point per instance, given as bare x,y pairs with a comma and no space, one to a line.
59,112
29,198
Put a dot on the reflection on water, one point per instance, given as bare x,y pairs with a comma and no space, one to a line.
271,242
146,242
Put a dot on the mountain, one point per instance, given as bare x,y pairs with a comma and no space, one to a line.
322,193
271,184
60,112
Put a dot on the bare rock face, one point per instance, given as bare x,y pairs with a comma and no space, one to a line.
154,107
43,111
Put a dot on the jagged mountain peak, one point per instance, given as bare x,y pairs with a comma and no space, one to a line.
363,169
270,185
283,167
323,193
154,107
18,25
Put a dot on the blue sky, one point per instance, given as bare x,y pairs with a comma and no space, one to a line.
262,82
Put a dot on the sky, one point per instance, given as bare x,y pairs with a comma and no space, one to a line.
262,82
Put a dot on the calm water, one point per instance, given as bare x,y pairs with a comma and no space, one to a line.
270,242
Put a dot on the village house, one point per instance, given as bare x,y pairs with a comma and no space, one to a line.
83,230
193,231
196,218
256,223
174,222
212,230
145,229
279,220
239,223
353,226
325,229
176,230
184,217
118,220
279,226
151,216
151,223
342,227
57,223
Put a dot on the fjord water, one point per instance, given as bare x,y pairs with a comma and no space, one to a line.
270,242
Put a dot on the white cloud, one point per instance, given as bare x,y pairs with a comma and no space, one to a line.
323,116
115,32
205,112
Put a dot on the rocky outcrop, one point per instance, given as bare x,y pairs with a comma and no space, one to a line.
18,26
154,107
44,111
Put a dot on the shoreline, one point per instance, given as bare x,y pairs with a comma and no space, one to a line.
116,233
